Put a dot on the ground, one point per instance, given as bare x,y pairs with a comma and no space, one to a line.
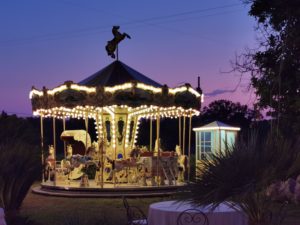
47,210
58,210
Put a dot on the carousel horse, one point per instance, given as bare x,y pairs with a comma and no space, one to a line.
112,44
79,162
66,163
159,169
182,162
50,164
121,165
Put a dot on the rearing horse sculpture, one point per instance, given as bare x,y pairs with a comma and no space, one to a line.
113,44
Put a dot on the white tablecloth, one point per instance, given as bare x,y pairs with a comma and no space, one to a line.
2,219
166,213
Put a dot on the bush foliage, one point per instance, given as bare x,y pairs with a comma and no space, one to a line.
243,173
20,162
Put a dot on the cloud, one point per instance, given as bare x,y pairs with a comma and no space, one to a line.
219,92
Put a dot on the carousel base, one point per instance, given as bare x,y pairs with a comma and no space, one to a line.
109,190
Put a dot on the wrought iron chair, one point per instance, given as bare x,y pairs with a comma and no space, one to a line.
192,217
135,216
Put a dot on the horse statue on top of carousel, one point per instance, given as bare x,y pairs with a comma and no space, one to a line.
112,45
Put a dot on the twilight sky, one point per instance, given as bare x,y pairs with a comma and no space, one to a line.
44,43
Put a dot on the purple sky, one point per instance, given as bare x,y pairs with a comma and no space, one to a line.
44,43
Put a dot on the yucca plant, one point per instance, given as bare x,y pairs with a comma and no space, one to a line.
242,174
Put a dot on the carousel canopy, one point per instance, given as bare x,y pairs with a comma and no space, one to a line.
116,86
117,73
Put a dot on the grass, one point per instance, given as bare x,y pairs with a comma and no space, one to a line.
47,210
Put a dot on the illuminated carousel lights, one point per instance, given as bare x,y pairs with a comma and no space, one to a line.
115,88
183,89
155,110
178,89
148,87
83,88
136,130
57,89
98,126
35,92
108,109
118,87
76,112
127,131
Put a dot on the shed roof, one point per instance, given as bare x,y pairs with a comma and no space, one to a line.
216,125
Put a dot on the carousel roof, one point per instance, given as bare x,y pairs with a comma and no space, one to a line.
117,73
117,85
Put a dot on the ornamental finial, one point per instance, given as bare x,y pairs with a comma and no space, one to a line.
112,45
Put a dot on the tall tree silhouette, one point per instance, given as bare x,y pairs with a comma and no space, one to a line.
275,65
228,112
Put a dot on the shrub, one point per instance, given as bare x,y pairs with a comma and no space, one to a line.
20,166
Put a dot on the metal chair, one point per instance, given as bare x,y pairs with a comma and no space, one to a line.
192,217
135,216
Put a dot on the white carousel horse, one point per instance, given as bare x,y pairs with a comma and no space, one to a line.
65,164
49,163
182,162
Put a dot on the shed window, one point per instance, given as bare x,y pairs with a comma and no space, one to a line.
206,145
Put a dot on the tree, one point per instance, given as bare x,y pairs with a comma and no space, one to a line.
16,128
275,65
228,112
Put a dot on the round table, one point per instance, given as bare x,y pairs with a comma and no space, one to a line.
2,217
166,213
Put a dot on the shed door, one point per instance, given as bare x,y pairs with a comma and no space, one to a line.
206,139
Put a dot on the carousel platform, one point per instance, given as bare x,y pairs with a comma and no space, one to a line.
108,191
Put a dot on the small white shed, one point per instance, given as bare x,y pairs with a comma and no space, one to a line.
213,138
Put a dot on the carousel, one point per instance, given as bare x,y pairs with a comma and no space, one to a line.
116,98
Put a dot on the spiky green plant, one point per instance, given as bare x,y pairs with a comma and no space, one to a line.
242,174
20,166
